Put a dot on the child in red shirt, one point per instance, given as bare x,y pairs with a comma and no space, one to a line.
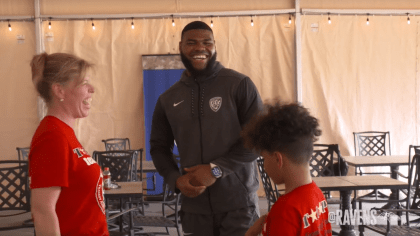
284,136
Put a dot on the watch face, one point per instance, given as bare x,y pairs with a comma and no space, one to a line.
217,172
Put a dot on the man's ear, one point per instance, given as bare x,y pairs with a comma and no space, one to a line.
279,159
57,90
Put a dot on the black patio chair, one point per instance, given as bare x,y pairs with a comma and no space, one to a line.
372,143
271,192
23,153
120,164
171,201
117,144
14,196
322,164
412,203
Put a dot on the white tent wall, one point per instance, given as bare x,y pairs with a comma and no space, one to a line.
18,100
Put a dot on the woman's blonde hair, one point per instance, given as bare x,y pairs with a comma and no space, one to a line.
56,68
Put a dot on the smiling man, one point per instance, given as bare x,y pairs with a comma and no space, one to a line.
204,112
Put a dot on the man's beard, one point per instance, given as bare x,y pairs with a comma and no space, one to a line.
194,72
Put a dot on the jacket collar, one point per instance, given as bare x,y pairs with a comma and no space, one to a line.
191,79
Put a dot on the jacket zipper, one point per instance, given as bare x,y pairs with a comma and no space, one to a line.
200,112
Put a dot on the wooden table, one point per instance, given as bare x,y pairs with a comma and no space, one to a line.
347,184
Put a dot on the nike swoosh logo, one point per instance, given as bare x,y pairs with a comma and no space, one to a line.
176,104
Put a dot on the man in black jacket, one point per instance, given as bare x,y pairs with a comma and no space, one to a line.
204,112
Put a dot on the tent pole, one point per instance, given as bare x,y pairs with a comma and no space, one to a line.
298,47
42,109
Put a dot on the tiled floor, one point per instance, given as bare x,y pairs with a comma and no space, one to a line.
156,210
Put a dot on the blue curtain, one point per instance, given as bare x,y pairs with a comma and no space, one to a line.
155,82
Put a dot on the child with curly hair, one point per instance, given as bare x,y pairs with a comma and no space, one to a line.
284,136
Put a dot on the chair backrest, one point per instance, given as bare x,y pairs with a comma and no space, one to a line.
413,150
270,189
117,144
322,160
413,182
372,143
23,153
14,186
120,163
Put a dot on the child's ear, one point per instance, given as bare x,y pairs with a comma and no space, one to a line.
279,159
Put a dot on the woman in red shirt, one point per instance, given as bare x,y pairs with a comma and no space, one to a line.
66,183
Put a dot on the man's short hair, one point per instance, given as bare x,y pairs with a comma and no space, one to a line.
196,25
288,129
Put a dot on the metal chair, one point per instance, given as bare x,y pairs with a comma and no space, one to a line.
121,163
23,153
122,168
372,143
117,144
413,204
14,195
322,164
171,200
271,192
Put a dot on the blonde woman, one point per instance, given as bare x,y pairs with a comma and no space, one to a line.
66,183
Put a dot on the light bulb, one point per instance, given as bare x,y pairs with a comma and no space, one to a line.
132,25
211,23
329,20
93,26
49,25
408,20
252,22
367,21
290,20
10,27
173,22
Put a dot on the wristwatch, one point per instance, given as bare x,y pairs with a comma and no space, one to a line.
216,171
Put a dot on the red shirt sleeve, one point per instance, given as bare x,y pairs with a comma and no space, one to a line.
49,161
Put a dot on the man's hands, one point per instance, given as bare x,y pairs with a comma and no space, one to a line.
256,229
201,175
195,181
183,183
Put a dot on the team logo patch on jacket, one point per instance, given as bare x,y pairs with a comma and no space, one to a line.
215,103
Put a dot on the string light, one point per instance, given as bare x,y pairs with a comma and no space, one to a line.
211,22
408,19
132,22
10,27
252,21
367,20
329,19
49,24
173,22
290,19
93,25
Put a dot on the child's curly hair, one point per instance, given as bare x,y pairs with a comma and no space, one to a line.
288,129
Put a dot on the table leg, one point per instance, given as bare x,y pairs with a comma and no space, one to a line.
394,192
346,230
